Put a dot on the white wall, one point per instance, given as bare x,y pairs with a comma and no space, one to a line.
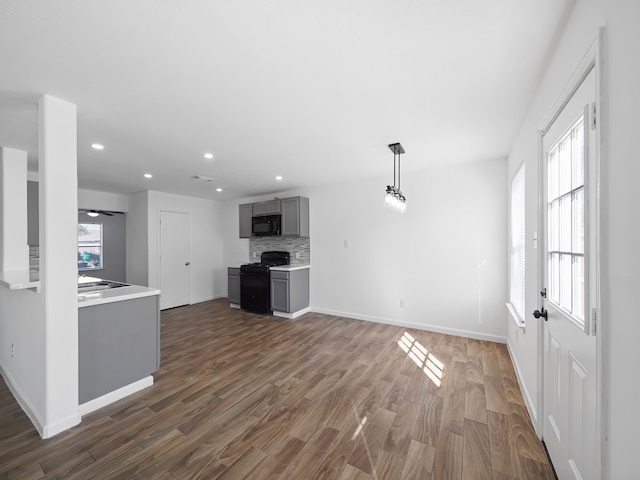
620,231
22,323
94,200
444,257
206,243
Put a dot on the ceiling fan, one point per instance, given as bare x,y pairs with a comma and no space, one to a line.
95,213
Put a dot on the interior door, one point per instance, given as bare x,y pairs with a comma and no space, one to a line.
175,259
569,297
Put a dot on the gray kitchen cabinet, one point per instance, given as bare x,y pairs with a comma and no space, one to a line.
295,216
269,207
289,290
118,344
246,212
233,276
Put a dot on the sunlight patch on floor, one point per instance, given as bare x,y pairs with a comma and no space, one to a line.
429,363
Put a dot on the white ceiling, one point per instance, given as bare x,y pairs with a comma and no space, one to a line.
312,91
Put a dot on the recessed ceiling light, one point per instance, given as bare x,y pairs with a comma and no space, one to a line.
218,189
148,175
97,146
278,177
208,156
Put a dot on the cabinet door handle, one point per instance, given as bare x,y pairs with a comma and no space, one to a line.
187,263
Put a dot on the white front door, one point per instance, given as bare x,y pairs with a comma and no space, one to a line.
175,259
568,260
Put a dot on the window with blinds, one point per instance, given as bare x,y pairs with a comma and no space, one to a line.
517,244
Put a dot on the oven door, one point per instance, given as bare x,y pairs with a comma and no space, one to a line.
255,292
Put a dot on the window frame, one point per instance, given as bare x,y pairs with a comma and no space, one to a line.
559,242
100,247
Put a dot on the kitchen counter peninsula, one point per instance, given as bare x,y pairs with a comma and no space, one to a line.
118,340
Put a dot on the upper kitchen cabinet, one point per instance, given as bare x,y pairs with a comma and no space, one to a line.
295,216
246,212
266,208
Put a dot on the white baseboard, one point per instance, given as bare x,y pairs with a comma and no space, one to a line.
111,397
203,299
60,426
417,326
24,403
293,315
529,403
44,430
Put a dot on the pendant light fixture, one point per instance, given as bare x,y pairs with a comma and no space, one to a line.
394,198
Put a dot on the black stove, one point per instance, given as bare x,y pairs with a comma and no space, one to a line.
255,281
267,260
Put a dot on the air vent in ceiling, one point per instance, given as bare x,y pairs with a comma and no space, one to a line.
201,178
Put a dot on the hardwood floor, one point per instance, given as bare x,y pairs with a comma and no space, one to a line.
322,397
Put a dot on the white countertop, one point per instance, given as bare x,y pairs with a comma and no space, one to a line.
99,297
19,279
284,268
291,268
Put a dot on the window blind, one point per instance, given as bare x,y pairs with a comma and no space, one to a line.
517,244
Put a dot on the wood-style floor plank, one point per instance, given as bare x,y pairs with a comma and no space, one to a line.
240,395
476,457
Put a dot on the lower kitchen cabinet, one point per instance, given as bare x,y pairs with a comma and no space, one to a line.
290,292
233,277
118,344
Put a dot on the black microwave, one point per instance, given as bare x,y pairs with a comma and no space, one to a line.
265,226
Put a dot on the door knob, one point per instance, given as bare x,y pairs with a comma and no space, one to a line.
540,313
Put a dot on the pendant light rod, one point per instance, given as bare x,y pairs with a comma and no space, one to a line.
398,150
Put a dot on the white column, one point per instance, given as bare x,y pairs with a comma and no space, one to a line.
58,204
14,251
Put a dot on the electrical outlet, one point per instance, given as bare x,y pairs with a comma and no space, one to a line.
255,254
13,350
297,255
402,303
346,244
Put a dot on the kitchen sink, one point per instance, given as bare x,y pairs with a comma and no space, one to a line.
101,285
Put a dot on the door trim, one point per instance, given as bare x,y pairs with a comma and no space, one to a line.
593,59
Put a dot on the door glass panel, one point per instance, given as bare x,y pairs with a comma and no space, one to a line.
554,234
578,287
566,222
565,282
565,166
577,156
553,173
578,221
554,277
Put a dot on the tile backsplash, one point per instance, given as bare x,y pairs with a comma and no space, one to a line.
293,245
34,262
